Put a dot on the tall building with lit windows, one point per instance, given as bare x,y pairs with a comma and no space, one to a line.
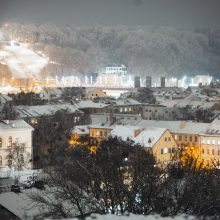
15,145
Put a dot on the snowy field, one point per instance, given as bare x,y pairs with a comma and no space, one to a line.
21,60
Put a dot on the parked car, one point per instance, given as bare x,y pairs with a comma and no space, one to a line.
15,188
39,184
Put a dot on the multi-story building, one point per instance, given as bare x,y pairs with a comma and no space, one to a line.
119,69
15,144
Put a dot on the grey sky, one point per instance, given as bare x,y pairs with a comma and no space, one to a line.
178,13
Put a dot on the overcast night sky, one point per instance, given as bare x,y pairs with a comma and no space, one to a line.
177,13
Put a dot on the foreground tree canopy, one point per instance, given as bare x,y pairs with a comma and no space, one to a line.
123,177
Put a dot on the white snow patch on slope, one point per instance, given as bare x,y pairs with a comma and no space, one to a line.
22,61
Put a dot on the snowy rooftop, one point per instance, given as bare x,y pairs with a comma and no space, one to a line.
14,124
89,104
19,204
44,110
124,132
81,129
149,136
127,101
176,126
4,98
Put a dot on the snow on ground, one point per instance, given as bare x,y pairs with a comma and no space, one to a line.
138,217
22,61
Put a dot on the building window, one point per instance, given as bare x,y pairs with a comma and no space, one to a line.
180,138
190,138
93,134
175,136
165,150
161,151
173,149
0,160
97,133
213,152
208,142
10,141
169,150
203,151
0,142
185,138
101,133
218,142
146,110
213,142
219,152
165,139
196,139
169,139
207,151
105,133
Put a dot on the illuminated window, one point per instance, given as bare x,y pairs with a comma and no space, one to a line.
175,137
213,142
126,109
165,150
208,142
218,142
97,133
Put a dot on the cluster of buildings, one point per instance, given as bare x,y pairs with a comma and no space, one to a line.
167,119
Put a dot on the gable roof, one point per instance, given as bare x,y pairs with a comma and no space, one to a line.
149,136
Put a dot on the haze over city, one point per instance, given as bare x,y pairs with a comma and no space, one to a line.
110,109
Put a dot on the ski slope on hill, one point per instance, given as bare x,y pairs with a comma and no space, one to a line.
22,61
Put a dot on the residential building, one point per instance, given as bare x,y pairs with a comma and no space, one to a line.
15,141
31,114
95,93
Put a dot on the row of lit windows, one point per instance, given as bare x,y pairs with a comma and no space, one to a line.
213,152
186,138
99,133
211,142
9,141
167,150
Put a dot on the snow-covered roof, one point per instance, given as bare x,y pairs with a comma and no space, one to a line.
176,126
127,101
82,104
14,125
5,98
187,102
149,136
81,129
19,204
124,132
44,110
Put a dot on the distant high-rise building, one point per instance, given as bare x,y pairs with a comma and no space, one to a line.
148,82
137,82
162,81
